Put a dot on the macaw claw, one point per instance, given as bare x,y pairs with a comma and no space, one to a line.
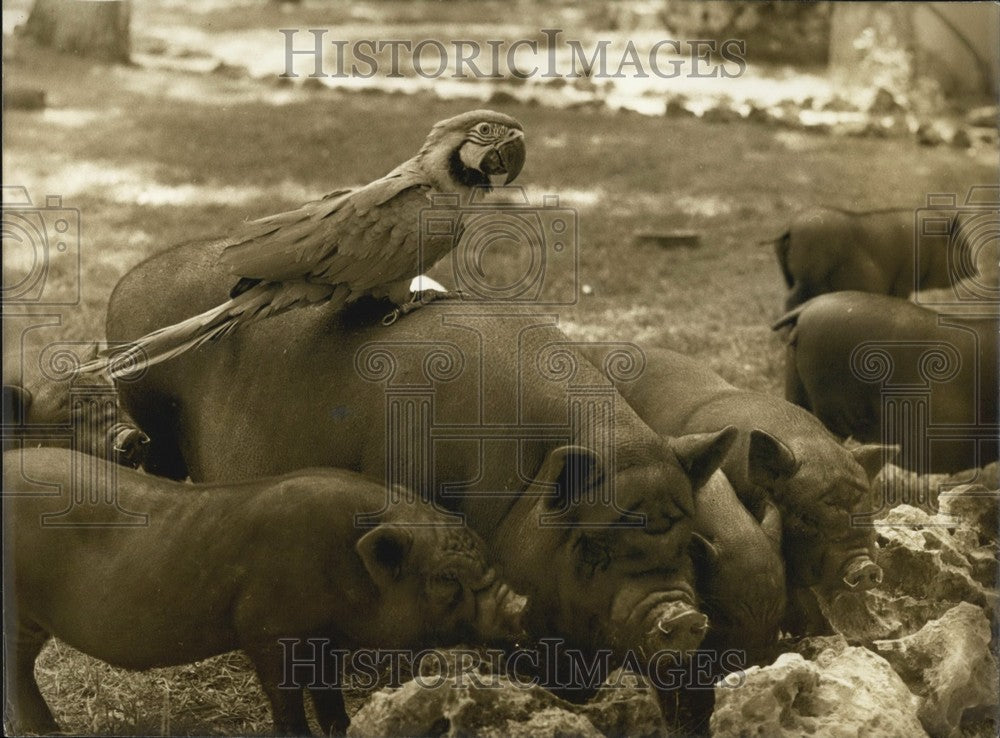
419,299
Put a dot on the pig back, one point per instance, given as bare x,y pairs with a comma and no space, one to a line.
318,386
847,349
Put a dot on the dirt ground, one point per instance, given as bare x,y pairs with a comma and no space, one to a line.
153,157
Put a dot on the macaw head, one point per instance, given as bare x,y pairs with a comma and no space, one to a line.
465,151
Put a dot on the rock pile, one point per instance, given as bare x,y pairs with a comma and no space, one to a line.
916,656
496,706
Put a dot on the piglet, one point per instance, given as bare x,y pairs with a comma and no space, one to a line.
245,566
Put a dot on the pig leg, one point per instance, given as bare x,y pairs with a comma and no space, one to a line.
30,712
330,710
287,706
795,392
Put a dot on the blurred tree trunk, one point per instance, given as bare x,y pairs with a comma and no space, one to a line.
95,28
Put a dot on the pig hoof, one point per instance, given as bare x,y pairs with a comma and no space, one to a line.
863,576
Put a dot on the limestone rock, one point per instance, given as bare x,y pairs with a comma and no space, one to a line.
975,507
987,116
857,616
890,615
490,706
988,476
894,486
921,558
550,722
884,103
232,71
627,709
676,108
758,115
720,114
839,104
849,692
961,139
929,134
949,664
811,647
930,562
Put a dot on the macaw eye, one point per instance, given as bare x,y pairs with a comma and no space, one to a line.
483,128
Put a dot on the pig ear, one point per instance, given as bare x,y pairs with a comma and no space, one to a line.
383,552
16,401
569,469
769,460
700,454
770,523
703,551
873,456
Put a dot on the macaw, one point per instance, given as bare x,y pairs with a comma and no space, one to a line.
350,243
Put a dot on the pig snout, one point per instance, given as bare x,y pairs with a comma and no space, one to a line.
500,611
861,574
129,444
659,620
679,627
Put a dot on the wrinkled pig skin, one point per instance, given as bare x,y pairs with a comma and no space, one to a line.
783,454
844,348
226,566
288,392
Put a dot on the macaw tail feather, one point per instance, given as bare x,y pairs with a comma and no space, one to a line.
264,300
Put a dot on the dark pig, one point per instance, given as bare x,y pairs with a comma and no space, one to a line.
227,566
782,454
311,387
740,572
740,580
845,349
829,250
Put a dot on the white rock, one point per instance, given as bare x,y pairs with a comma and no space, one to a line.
853,692
949,664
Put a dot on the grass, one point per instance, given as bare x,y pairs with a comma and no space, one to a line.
219,696
734,184
164,157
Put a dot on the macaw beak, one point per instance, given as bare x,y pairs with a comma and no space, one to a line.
506,158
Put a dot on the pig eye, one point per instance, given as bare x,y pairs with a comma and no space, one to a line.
593,555
447,591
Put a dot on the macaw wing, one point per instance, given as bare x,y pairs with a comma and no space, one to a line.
382,246
290,245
